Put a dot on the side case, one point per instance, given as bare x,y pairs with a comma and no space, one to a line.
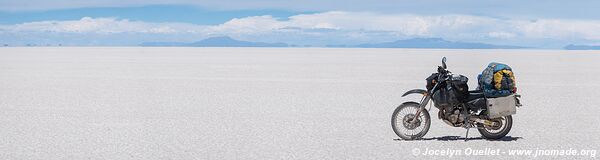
502,106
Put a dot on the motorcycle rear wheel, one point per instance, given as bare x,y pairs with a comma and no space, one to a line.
406,130
497,132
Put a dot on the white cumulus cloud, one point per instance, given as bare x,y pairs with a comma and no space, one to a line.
98,25
331,27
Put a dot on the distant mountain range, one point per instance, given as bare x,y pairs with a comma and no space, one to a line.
164,44
408,43
581,47
215,42
435,43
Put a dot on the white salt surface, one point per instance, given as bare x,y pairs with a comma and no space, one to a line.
272,103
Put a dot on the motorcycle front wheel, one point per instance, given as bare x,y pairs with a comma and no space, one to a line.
402,121
499,131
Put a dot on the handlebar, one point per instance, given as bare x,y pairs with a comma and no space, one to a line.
441,70
443,74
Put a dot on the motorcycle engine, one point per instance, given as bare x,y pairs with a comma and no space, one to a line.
452,115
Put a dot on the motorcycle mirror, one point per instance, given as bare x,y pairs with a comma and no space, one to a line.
444,63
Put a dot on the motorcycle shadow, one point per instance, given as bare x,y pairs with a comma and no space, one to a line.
462,138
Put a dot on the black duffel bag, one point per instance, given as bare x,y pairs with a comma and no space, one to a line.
459,87
456,90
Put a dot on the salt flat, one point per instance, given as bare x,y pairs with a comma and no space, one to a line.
271,103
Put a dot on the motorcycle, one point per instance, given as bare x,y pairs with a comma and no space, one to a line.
458,107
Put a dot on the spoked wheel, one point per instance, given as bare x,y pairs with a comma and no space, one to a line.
504,124
403,124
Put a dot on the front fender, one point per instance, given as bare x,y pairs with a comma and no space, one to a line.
415,91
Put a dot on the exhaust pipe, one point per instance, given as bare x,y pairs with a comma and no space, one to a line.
483,121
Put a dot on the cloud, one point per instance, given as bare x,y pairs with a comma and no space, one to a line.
501,35
249,25
326,28
96,25
554,28
506,8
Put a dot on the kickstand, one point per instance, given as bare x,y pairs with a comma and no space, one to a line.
467,135
467,124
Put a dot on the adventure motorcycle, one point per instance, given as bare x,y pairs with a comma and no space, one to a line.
458,107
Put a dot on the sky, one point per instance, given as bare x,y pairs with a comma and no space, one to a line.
540,23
